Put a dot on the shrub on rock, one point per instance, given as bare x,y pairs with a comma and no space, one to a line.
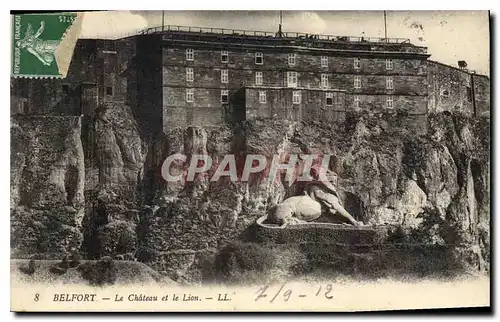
99,273
243,261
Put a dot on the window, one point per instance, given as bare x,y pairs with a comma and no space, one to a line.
324,61
389,65
224,76
259,58
389,84
65,88
224,96
224,56
390,102
291,59
329,99
190,54
258,78
291,79
469,94
189,74
262,97
297,97
324,80
357,63
357,82
109,90
189,95
357,100
26,108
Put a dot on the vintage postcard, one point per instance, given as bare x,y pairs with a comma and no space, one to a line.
250,161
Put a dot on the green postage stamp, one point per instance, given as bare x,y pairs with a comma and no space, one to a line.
42,43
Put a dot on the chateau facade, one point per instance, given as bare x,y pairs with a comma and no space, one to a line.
184,76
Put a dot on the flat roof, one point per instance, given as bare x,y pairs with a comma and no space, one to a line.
268,34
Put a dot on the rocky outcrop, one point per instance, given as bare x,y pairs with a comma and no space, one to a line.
427,188
115,155
425,184
47,185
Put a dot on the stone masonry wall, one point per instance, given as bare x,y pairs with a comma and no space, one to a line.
279,103
449,89
409,79
482,95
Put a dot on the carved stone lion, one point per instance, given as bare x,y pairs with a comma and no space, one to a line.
308,207
295,210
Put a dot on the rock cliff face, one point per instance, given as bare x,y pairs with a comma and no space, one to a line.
47,185
114,160
430,187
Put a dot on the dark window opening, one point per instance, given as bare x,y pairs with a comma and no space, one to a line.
25,107
469,94
329,101
224,99
259,58
65,88
225,57
109,90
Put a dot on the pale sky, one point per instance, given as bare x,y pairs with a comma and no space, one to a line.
449,35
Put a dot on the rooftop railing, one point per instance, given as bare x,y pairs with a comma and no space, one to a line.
267,34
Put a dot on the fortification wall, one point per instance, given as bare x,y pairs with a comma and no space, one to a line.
450,89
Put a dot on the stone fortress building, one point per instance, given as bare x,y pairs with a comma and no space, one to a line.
173,76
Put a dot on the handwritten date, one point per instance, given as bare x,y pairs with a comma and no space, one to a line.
287,293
